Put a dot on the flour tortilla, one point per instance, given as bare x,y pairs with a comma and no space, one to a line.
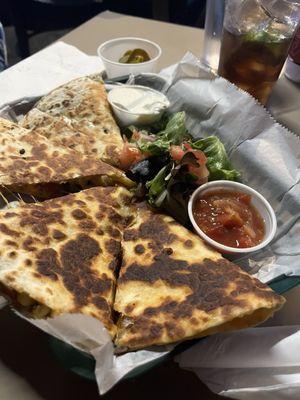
63,253
30,163
80,110
172,287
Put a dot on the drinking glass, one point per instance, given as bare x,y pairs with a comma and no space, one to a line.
3,52
214,16
292,68
256,38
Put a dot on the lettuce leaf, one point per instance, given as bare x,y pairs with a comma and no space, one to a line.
218,162
158,187
174,134
175,130
171,188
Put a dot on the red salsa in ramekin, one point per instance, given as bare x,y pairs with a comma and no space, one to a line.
229,218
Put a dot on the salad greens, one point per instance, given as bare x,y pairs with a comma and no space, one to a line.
218,162
172,165
157,187
171,188
174,133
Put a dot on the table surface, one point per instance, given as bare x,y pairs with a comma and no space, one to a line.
28,370
175,41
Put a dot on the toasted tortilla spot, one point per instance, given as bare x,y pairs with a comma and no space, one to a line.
47,263
149,230
167,251
113,247
10,278
7,231
87,224
58,235
28,262
129,308
80,203
174,330
139,249
101,303
113,232
101,286
113,265
10,214
45,172
40,229
27,244
188,243
76,258
78,214
11,243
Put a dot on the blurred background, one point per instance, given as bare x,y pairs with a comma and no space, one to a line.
30,25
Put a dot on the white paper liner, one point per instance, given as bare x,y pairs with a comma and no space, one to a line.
267,367
266,153
45,70
89,335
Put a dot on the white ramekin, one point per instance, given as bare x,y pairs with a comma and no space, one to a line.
126,117
111,51
257,200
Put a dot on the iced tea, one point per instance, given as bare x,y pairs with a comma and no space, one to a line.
256,38
253,61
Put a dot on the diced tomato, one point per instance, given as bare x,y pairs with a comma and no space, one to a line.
201,158
187,146
214,231
200,172
176,153
245,241
245,198
135,136
231,219
130,155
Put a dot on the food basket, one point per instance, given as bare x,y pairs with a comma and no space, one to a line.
81,363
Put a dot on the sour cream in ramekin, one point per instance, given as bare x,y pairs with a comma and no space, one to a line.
137,105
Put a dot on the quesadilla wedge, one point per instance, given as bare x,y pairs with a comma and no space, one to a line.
30,163
83,105
60,256
172,287
63,132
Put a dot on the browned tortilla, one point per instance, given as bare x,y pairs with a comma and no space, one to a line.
30,163
77,115
173,287
63,253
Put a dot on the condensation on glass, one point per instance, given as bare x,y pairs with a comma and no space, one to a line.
213,32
